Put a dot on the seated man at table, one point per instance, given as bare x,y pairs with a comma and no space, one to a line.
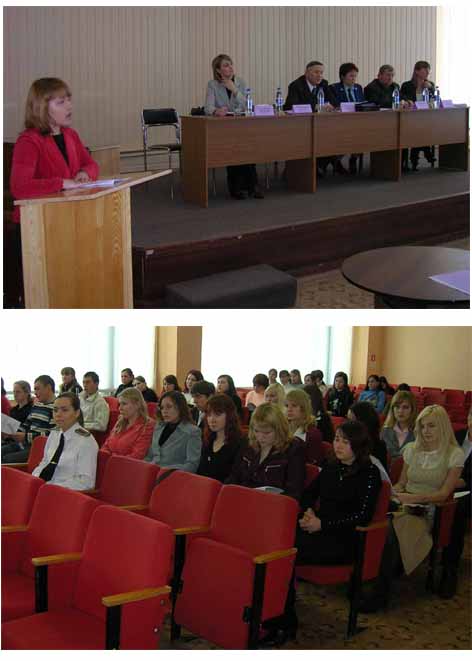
305,91
380,90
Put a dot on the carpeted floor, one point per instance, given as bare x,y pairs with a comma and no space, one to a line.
415,620
332,290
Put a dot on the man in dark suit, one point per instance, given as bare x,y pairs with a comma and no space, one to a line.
305,90
380,90
201,391
452,553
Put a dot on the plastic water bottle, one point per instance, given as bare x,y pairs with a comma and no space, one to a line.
426,95
279,101
437,98
396,99
321,100
249,102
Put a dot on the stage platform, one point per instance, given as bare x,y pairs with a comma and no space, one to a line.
296,232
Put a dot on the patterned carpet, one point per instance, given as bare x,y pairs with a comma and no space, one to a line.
415,620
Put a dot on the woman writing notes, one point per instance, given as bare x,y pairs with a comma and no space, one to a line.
226,95
49,155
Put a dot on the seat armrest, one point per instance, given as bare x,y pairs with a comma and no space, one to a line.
191,530
91,492
275,555
133,508
372,526
19,466
59,559
14,528
137,595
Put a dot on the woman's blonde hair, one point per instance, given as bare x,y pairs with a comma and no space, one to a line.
217,62
133,395
279,390
446,432
269,415
397,399
300,398
39,95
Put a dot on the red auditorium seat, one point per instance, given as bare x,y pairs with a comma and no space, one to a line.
35,455
327,450
468,399
442,526
102,459
311,473
113,403
127,482
337,421
58,524
396,468
119,598
433,396
419,397
101,436
152,409
245,416
455,399
238,574
415,389
371,540
19,491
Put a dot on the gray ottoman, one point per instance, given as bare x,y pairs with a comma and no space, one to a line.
259,286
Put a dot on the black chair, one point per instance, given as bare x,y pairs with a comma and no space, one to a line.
155,118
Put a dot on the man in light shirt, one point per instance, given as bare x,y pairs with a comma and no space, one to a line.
94,407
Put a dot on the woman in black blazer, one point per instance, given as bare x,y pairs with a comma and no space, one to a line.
412,91
225,385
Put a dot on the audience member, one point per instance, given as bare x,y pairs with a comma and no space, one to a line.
273,459
16,447
432,467
49,155
302,425
149,395
272,376
6,406
170,384
176,442
201,392
296,379
69,381
400,423
343,496
255,398
322,419
386,387
380,90
365,413
225,385
131,436
373,393
192,377
226,93
95,409
70,453
318,376
23,399
127,378
222,439
339,396
308,380
275,394
284,376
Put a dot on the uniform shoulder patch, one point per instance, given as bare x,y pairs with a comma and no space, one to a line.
82,432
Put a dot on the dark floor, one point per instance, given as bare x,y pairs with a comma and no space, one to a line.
157,220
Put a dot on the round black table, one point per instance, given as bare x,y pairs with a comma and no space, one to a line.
400,276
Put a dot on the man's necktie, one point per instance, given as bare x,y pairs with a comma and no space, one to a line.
48,471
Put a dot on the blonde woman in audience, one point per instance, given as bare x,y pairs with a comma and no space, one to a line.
400,423
302,425
255,398
131,436
431,470
275,394
273,459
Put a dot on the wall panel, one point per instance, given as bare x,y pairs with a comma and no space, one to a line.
121,59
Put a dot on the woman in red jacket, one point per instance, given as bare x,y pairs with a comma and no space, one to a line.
132,434
49,156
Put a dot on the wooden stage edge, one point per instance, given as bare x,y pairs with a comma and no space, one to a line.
302,249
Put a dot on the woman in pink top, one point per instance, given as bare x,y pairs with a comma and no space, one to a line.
132,434
255,398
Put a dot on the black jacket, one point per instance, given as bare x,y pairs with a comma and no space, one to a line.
376,92
339,401
219,465
299,93
408,90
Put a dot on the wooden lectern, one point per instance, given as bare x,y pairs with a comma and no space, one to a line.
76,247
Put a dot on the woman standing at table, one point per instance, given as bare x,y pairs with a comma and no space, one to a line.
226,94
49,155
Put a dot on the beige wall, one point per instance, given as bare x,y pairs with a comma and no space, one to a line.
434,356
178,349
121,59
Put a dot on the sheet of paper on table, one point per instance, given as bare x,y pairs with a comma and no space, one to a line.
103,183
459,280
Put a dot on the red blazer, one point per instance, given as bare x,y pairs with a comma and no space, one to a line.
132,442
39,168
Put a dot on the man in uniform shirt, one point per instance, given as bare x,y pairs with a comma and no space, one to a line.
40,421
94,407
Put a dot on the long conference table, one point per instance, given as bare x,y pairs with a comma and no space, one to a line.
213,142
